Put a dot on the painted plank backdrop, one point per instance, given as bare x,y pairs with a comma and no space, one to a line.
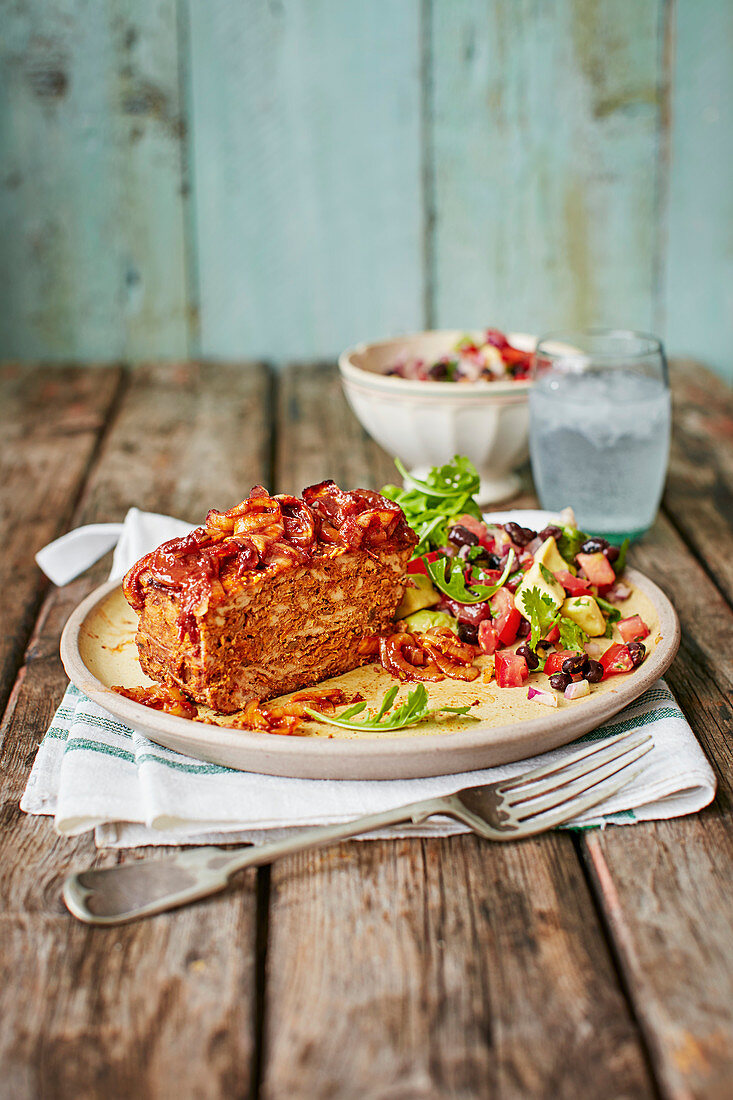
236,178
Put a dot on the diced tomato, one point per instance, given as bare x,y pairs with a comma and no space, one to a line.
553,635
596,568
633,629
417,565
513,356
575,586
616,659
488,636
506,616
473,613
511,669
555,660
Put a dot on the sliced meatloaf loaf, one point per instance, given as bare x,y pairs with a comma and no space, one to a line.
277,594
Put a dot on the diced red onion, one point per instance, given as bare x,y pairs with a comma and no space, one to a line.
618,593
533,546
577,690
543,697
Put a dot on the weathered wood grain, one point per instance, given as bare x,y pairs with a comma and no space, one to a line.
94,259
164,1007
543,156
442,969
50,423
699,493
664,888
319,437
306,151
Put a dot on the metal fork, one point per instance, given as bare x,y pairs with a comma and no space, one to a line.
507,810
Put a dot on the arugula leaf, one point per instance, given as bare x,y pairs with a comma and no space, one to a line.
413,710
447,575
612,613
620,564
572,636
541,612
446,493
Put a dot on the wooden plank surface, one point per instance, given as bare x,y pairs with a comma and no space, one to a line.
164,1007
43,413
410,968
544,134
443,969
699,493
698,258
306,146
93,262
431,969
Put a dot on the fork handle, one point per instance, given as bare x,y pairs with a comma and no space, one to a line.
97,897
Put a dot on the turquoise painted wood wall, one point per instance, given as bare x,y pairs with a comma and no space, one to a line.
244,178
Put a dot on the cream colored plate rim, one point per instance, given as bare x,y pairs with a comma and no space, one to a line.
397,758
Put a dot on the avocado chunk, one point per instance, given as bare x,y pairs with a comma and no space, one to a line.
584,611
533,578
429,620
415,599
549,555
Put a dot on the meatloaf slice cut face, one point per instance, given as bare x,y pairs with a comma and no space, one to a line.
277,594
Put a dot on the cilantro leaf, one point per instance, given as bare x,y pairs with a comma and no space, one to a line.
447,574
414,709
541,612
572,636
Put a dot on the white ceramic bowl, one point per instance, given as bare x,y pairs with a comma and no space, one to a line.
426,423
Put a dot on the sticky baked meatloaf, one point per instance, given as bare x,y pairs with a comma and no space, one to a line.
277,594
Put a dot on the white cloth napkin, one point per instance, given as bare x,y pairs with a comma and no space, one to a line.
93,772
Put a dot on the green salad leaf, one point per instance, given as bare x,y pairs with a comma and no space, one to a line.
570,542
413,710
620,564
447,574
446,493
612,613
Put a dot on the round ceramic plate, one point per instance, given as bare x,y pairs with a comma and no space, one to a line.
99,652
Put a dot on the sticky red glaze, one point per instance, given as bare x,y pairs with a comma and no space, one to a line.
266,532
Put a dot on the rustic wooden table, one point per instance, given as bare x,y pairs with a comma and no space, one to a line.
571,965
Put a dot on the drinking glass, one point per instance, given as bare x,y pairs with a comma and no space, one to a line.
599,428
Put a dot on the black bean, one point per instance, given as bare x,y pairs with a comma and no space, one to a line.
486,559
519,535
438,372
612,553
594,545
559,681
468,632
529,655
594,672
575,664
550,532
637,651
543,644
461,536
524,629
